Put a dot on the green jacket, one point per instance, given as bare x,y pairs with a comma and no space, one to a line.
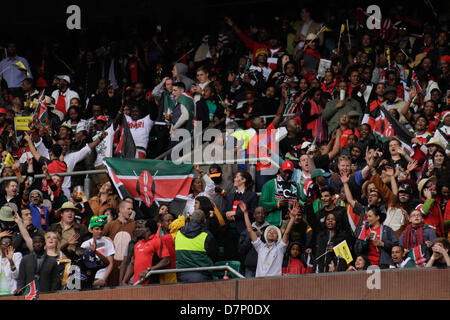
332,115
194,247
269,201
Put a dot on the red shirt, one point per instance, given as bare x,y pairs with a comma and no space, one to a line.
295,267
143,255
374,252
257,147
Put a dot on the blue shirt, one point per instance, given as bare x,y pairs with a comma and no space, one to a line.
12,75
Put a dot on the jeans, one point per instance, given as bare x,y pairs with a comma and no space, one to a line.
192,277
250,272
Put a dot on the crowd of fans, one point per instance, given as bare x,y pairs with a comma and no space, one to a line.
338,181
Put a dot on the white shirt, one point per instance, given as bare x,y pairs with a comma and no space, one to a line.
105,247
209,192
5,268
69,95
140,130
71,159
270,261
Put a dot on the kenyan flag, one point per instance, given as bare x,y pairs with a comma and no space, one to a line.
419,255
385,126
31,292
151,180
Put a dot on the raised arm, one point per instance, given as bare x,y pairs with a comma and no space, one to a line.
31,146
24,232
292,213
348,194
95,143
248,224
279,116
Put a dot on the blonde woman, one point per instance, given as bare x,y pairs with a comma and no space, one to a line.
52,248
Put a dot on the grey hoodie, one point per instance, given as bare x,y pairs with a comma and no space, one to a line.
182,70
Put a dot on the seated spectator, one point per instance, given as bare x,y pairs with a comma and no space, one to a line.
361,264
398,255
440,257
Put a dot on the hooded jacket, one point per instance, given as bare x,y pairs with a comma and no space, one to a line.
182,70
195,246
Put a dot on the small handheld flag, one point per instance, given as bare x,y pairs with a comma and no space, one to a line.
31,292
19,65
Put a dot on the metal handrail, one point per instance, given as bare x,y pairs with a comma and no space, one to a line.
212,268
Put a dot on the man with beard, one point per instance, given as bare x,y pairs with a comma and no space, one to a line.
278,193
222,189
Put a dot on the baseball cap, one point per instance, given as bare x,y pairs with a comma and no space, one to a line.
64,77
101,118
390,89
319,173
287,165
215,171
88,258
3,110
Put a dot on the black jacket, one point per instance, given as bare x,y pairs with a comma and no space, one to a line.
322,238
250,199
48,279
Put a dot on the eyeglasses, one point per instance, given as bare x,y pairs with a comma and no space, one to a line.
5,243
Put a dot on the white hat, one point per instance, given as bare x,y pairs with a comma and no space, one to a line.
64,77
267,231
306,144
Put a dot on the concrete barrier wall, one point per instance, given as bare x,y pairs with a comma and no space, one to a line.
424,284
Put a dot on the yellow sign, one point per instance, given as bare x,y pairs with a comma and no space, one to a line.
343,251
21,123
9,161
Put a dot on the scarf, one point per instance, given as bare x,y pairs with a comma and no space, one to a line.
328,87
286,189
408,241
313,52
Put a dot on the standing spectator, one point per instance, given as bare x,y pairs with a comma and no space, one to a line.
222,187
9,264
279,193
179,74
40,267
195,247
334,109
103,245
150,253
63,96
375,239
39,212
294,261
245,243
416,233
99,203
67,227
13,75
120,231
270,253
